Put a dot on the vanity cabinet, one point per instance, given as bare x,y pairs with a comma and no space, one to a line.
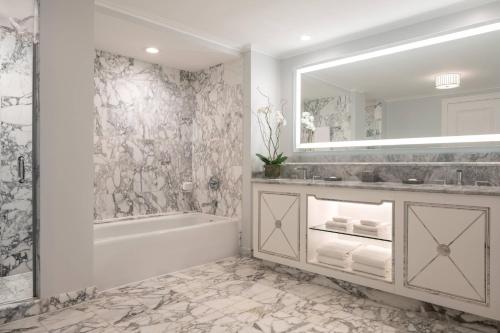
443,244
278,224
447,250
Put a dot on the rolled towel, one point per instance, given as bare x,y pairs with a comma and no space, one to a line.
336,225
339,249
369,269
343,263
371,255
371,223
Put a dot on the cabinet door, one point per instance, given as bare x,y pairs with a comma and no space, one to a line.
278,228
447,250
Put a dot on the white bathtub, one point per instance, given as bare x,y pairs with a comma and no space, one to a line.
133,250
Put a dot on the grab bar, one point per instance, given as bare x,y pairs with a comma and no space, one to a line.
21,172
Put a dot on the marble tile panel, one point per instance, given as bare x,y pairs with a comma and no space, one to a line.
16,140
142,138
157,127
264,297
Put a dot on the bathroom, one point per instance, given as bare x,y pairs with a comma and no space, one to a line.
163,172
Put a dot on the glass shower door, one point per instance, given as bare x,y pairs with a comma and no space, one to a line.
16,133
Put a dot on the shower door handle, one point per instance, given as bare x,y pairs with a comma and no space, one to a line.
21,172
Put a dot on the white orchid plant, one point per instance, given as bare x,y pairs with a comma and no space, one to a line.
271,121
307,121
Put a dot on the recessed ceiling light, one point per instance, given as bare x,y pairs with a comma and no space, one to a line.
305,38
152,50
447,81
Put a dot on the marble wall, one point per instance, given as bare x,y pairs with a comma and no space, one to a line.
16,230
218,137
432,167
156,128
142,138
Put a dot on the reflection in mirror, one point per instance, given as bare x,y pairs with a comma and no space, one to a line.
443,90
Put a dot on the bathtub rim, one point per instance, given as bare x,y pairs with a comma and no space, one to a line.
219,220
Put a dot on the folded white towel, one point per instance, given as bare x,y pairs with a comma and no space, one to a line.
341,219
334,262
371,223
370,270
381,235
371,255
336,225
379,231
377,228
339,249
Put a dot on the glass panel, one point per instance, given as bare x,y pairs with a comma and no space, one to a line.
16,132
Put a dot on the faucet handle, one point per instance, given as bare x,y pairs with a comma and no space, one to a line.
304,170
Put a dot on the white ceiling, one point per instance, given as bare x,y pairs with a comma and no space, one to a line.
411,74
193,34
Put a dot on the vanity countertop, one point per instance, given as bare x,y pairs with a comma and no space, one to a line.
435,188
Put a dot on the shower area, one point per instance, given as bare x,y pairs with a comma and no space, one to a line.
17,53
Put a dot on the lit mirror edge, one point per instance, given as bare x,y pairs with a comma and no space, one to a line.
429,142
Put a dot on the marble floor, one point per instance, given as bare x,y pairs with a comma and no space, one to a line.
15,288
231,295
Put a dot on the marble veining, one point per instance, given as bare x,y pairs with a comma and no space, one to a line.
331,112
16,232
33,307
245,295
157,127
142,138
218,137
431,188
430,172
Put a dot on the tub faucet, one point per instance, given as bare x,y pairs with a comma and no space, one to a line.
212,204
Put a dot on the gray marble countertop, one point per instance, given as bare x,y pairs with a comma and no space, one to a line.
435,188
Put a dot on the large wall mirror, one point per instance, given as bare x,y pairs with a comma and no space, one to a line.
444,90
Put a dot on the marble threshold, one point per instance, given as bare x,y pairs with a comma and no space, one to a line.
237,294
387,186
35,306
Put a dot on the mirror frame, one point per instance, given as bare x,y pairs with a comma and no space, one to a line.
398,143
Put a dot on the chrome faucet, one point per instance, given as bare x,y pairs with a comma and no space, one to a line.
304,172
460,176
213,204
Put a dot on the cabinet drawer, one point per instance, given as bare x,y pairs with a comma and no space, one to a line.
278,224
447,250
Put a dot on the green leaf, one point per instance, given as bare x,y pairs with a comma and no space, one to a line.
279,159
263,159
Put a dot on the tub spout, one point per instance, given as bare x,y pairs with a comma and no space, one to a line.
212,204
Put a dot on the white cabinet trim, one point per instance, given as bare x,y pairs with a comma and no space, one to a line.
486,212
295,202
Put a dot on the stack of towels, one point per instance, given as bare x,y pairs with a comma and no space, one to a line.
371,259
337,253
339,223
372,228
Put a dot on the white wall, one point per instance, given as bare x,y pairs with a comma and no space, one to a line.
66,127
447,23
263,72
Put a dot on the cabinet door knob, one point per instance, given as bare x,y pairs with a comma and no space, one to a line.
443,250
277,224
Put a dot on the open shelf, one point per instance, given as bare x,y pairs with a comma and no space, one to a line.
323,228
349,270
320,210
